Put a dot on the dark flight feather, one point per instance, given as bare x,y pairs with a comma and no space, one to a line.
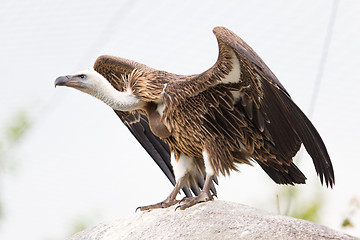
276,127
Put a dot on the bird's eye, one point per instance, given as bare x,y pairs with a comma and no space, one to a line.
82,76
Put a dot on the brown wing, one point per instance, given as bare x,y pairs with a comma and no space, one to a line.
113,69
243,86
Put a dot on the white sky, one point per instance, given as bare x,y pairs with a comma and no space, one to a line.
79,161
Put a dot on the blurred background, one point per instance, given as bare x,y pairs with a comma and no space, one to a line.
66,160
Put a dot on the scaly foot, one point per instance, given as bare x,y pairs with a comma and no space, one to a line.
164,204
204,196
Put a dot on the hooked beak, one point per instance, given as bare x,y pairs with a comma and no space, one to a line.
63,81
70,81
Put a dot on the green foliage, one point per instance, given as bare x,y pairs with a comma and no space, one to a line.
308,210
352,213
347,223
79,225
14,132
19,124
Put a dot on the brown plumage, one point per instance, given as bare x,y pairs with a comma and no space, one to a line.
235,112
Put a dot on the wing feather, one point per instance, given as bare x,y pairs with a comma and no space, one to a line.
262,100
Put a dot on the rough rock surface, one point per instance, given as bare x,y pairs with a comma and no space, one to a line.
211,220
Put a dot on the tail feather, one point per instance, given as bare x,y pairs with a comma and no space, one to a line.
294,175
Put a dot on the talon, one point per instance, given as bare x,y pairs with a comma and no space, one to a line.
177,208
202,197
137,209
164,204
182,200
143,208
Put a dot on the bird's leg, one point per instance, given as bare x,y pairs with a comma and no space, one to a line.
171,199
204,195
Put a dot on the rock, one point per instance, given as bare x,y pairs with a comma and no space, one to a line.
211,220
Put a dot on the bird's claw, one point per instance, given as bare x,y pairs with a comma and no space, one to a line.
163,204
191,201
137,209
177,208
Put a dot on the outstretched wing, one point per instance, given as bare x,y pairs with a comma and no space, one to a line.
114,69
240,80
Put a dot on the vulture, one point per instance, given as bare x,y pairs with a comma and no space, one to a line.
199,126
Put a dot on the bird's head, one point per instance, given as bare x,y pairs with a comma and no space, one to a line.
88,81
93,83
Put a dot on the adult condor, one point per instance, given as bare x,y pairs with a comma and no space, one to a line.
199,126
